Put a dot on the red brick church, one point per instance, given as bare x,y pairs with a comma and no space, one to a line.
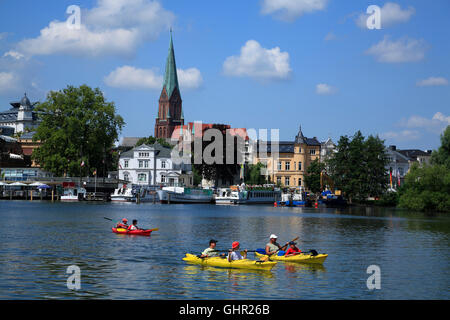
170,112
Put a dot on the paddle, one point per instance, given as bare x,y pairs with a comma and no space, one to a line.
265,258
107,218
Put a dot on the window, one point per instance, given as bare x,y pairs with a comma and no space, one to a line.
163,178
312,151
400,170
140,163
299,166
142,177
279,165
286,181
126,177
278,180
299,182
295,165
163,164
287,165
146,163
125,163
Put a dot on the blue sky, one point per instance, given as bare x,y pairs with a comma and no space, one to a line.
254,64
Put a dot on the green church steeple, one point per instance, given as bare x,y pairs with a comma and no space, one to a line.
171,78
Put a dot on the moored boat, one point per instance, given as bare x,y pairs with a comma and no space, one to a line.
185,195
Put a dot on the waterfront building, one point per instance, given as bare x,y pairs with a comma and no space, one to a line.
152,165
170,112
416,155
398,164
288,166
327,149
21,117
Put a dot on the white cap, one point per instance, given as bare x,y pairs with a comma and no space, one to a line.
273,236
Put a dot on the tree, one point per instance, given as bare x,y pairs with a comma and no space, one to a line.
151,140
312,176
358,167
426,188
77,126
442,155
253,174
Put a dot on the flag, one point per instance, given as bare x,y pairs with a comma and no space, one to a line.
241,176
390,176
398,177
82,163
120,166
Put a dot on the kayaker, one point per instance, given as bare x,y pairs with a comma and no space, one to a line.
293,250
234,254
211,250
133,226
123,224
272,246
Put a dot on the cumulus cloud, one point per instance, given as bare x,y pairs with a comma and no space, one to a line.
128,77
14,54
8,82
289,10
432,81
325,89
436,124
404,135
258,62
391,13
113,27
402,50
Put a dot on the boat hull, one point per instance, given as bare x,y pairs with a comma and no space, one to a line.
223,263
300,258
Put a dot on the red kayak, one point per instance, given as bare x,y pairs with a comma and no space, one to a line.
139,232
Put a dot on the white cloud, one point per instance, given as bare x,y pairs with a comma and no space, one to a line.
258,62
325,89
8,82
432,81
289,10
113,27
391,13
436,124
128,77
14,54
404,135
330,36
403,50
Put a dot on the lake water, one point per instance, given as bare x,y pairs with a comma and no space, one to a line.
39,240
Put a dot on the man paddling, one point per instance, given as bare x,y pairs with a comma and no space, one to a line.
272,246
234,253
133,226
211,250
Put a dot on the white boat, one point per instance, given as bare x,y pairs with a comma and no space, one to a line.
296,198
185,195
227,196
73,194
123,194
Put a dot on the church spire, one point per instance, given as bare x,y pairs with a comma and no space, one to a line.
171,78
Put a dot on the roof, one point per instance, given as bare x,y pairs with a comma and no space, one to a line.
129,141
7,138
171,77
414,153
160,151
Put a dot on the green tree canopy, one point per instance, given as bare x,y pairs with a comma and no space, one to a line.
442,155
77,126
358,167
253,174
312,176
151,140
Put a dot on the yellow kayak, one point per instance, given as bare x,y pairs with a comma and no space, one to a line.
303,258
223,263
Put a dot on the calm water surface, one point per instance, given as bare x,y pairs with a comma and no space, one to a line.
39,240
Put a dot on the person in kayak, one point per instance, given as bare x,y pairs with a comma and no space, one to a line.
211,250
234,253
133,226
293,250
123,224
272,246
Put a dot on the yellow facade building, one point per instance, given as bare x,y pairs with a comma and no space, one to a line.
288,166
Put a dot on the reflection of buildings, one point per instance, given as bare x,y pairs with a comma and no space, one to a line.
289,166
